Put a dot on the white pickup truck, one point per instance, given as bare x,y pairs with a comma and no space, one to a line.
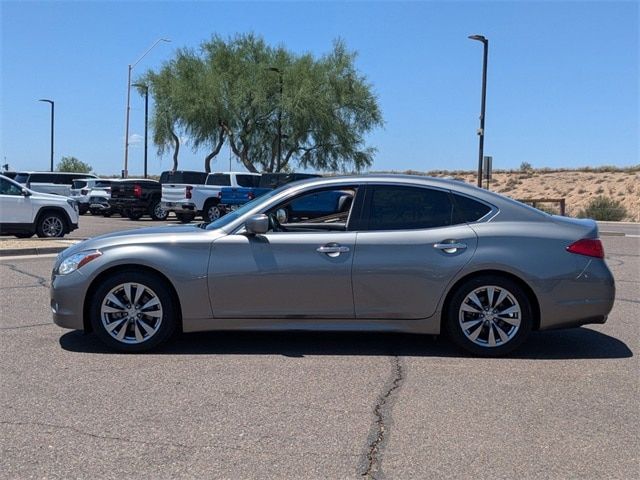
195,193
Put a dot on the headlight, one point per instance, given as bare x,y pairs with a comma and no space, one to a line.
77,260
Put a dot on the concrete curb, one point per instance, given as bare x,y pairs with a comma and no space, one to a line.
12,252
613,234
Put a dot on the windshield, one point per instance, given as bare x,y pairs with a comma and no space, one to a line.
230,217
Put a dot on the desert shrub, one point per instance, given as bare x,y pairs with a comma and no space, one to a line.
604,208
526,167
582,190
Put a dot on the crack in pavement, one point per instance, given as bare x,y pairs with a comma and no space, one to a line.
16,327
41,280
371,464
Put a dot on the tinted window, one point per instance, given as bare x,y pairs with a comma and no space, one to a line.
468,210
317,207
182,176
222,179
249,181
42,178
102,184
274,180
22,178
405,208
78,184
8,188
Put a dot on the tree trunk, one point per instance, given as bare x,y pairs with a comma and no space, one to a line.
176,142
216,150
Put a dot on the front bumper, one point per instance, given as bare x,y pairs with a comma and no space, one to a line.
67,293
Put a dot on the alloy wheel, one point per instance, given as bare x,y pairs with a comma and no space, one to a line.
131,313
490,316
52,226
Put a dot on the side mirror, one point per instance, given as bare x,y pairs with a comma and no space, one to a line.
26,192
257,224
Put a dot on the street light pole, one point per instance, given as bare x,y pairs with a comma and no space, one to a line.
485,43
52,122
279,72
125,171
146,122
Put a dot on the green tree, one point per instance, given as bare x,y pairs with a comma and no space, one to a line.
72,164
241,90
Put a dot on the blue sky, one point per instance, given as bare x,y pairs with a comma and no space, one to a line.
562,83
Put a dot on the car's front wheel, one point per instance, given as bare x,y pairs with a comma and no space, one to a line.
157,212
133,311
212,212
489,316
50,225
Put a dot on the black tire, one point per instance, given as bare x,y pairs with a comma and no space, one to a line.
107,214
212,211
486,322
161,333
51,225
185,217
23,235
157,212
95,211
83,210
134,215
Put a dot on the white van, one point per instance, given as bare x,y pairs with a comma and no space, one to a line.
24,212
57,183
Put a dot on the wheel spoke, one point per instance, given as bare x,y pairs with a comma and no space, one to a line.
511,321
508,311
492,336
501,297
470,324
139,290
490,294
127,293
151,303
474,298
475,334
123,331
470,308
113,299
108,309
139,336
147,328
113,325
503,336
153,313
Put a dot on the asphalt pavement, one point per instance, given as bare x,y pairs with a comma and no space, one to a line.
316,405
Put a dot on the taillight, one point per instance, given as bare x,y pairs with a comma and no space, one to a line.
84,191
251,195
591,247
188,194
219,194
137,191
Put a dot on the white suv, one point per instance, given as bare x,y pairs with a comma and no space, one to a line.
24,212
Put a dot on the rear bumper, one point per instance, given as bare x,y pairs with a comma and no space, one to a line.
179,207
132,205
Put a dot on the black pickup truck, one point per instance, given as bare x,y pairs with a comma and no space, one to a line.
134,198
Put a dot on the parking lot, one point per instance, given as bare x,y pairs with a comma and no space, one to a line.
321,405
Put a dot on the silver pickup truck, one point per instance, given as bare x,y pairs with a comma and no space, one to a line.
189,194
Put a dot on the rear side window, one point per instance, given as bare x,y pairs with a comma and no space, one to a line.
408,208
249,181
78,184
102,184
222,179
180,176
467,210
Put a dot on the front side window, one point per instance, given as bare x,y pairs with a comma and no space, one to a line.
393,207
8,188
319,210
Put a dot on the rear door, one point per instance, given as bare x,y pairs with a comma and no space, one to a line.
408,249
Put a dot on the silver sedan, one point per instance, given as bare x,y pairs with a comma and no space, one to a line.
368,253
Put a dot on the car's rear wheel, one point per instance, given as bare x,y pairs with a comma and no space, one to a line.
489,316
50,225
211,212
133,311
134,215
157,212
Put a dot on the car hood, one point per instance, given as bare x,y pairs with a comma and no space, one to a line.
151,235
49,197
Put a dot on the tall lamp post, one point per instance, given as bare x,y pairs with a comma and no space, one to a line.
279,72
146,121
125,171
52,121
485,43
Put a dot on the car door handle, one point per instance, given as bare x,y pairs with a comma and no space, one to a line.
328,249
450,247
